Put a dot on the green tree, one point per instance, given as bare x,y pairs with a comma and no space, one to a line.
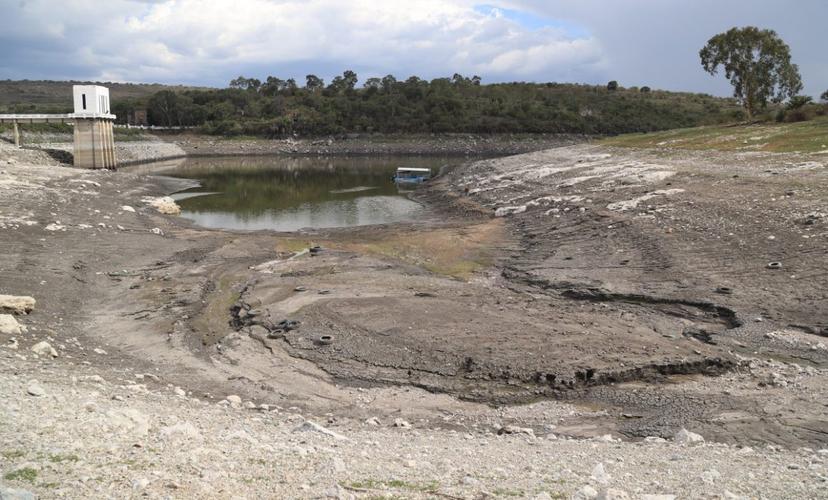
245,83
757,63
799,101
612,85
313,83
824,97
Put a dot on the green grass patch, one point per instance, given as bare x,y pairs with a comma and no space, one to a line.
57,458
396,484
12,454
803,137
25,474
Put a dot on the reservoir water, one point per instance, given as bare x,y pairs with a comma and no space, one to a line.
290,193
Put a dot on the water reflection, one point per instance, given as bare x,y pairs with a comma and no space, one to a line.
287,194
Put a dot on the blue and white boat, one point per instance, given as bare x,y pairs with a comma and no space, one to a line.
407,175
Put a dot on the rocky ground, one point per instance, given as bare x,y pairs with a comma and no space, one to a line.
619,295
156,145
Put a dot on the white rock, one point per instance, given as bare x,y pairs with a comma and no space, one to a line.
612,494
514,429
44,349
99,351
398,422
164,205
140,484
658,497
686,437
599,474
373,421
127,208
15,304
309,426
179,391
585,493
129,421
9,325
157,231
34,389
184,431
234,400
7,493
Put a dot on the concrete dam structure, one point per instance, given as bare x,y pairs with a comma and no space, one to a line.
94,139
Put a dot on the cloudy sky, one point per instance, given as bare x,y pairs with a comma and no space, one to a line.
209,42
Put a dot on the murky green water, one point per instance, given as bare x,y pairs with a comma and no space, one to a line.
287,194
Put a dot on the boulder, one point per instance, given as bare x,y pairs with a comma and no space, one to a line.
180,432
128,421
9,325
599,474
44,349
398,422
15,494
514,429
612,494
16,304
686,437
164,205
309,426
585,493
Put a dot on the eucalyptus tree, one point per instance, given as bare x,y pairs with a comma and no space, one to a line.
758,64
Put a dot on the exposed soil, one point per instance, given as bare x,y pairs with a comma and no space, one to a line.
625,291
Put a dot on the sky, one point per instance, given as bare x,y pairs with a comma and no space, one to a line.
210,42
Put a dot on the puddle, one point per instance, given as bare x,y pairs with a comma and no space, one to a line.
288,194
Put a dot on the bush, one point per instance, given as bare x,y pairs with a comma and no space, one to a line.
797,101
645,90
612,85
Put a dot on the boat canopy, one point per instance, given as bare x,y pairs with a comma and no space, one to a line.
413,170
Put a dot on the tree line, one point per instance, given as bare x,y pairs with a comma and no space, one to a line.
276,107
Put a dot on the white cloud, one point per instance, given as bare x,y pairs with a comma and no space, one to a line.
192,40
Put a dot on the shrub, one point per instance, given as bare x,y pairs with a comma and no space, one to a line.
612,85
797,101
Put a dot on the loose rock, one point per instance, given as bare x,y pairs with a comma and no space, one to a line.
16,304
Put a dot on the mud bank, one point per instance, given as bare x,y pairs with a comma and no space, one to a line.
620,289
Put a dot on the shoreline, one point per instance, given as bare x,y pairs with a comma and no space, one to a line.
575,279
167,146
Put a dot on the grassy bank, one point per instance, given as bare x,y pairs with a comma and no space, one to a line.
805,137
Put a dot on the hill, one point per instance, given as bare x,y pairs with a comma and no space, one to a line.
47,96
279,108
804,137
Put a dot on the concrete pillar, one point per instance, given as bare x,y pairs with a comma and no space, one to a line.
16,135
94,143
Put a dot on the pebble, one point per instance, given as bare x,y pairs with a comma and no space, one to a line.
34,389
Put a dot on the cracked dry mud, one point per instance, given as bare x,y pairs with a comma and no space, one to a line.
605,290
